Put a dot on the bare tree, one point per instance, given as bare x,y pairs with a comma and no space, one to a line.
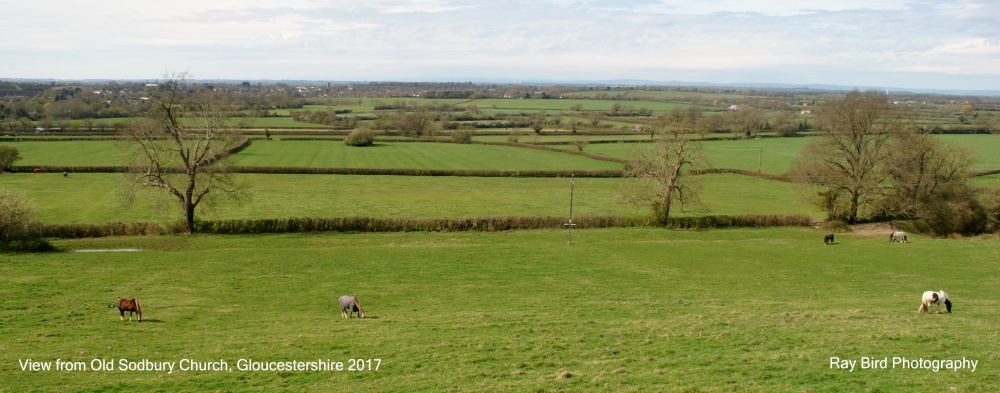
413,124
747,120
182,145
709,124
921,167
850,160
661,173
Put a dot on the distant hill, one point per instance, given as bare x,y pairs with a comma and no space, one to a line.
611,82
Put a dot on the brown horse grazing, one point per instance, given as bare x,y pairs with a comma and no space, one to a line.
349,305
130,305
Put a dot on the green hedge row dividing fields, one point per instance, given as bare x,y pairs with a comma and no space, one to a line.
377,224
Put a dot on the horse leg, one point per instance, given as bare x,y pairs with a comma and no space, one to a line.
122,318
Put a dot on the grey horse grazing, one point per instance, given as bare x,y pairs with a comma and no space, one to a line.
828,238
898,236
349,305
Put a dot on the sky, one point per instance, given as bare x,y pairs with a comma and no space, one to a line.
855,43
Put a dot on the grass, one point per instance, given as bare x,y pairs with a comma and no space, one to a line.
619,310
69,153
634,309
282,122
410,155
771,155
776,155
992,181
984,148
93,197
566,106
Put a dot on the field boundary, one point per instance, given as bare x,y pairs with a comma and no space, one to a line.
378,224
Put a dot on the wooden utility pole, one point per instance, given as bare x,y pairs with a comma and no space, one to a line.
569,225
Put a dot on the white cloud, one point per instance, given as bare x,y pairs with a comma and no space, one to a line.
770,41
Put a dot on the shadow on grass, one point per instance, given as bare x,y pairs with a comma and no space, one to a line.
143,321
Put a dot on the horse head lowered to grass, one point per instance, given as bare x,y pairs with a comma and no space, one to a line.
349,305
130,305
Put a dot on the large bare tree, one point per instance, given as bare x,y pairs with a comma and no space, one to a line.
661,173
182,145
849,160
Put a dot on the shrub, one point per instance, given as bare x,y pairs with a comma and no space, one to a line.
786,130
360,137
956,210
835,225
8,156
18,230
462,136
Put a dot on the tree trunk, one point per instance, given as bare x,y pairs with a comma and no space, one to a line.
189,216
189,205
665,216
852,215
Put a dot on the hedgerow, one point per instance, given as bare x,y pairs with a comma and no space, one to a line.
379,224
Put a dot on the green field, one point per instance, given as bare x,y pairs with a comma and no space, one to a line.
770,155
70,153
566,105
93,197
424,155
775,155
625,309
984,149
619,310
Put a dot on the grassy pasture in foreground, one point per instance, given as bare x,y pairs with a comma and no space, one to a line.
93,197
619,310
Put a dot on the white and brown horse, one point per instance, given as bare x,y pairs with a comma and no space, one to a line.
349,305
931,297
130,305
898,236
